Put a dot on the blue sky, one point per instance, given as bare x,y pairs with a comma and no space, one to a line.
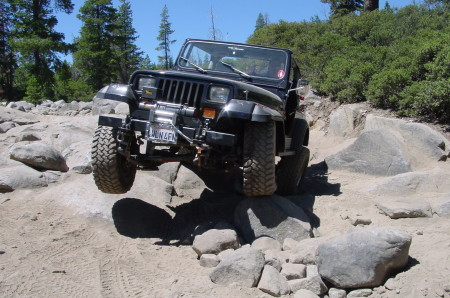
192,19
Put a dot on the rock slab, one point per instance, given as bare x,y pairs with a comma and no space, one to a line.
20,176
363,257
38,155
375,152
404,208
274,216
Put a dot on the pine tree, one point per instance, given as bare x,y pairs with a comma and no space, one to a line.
7,61
370,5
387,7
146,63
93,56
260,22
37,43
127,55
165,31
214,33
343,7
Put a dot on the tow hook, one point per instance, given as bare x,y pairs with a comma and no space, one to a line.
198,156
201,155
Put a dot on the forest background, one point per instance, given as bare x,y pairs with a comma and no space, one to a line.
397,59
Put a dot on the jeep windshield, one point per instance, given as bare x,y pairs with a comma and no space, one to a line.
244,60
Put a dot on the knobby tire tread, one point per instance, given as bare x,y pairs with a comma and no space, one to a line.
112,173
259,159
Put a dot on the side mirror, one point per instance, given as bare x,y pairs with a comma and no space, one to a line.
302,88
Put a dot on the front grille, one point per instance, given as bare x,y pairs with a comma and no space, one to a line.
180,92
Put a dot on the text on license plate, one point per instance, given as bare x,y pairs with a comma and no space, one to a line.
162,134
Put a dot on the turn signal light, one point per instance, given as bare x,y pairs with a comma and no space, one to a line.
209,113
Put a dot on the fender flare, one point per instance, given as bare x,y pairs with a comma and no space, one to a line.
299,133
118,92
250,111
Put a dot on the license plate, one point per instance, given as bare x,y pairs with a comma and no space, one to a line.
162,134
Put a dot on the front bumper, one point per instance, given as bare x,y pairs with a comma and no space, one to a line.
196,135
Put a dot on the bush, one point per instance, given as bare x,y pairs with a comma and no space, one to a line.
346,79
384,88
428,99
398,59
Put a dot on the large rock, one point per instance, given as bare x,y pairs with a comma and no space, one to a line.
215,241
149,186
363,257
12,115
273,283
420,138
122,109
27,137
6,126
273,216
188,183
78,157
68,134
20,176
103,106
375,152
404,207
435,180
243,267
344,119
38,155
21,106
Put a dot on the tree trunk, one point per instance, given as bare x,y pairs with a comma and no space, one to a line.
370,5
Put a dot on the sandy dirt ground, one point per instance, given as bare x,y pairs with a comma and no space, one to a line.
68,239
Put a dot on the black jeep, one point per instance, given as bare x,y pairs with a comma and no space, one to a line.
224,105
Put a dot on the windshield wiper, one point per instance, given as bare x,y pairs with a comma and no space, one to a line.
193,64
237,70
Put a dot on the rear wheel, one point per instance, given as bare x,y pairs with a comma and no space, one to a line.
291,170
113,173
259,159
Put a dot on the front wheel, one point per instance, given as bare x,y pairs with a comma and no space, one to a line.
259,159
291,170
113,173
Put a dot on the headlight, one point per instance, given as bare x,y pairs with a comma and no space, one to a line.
219,94
146,82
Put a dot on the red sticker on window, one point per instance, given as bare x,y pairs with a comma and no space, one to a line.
281,73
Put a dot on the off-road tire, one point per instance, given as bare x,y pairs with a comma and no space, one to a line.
112,172
291,170
259,159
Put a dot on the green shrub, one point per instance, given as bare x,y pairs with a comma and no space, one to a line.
384,88
346,79
428,99
34,92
